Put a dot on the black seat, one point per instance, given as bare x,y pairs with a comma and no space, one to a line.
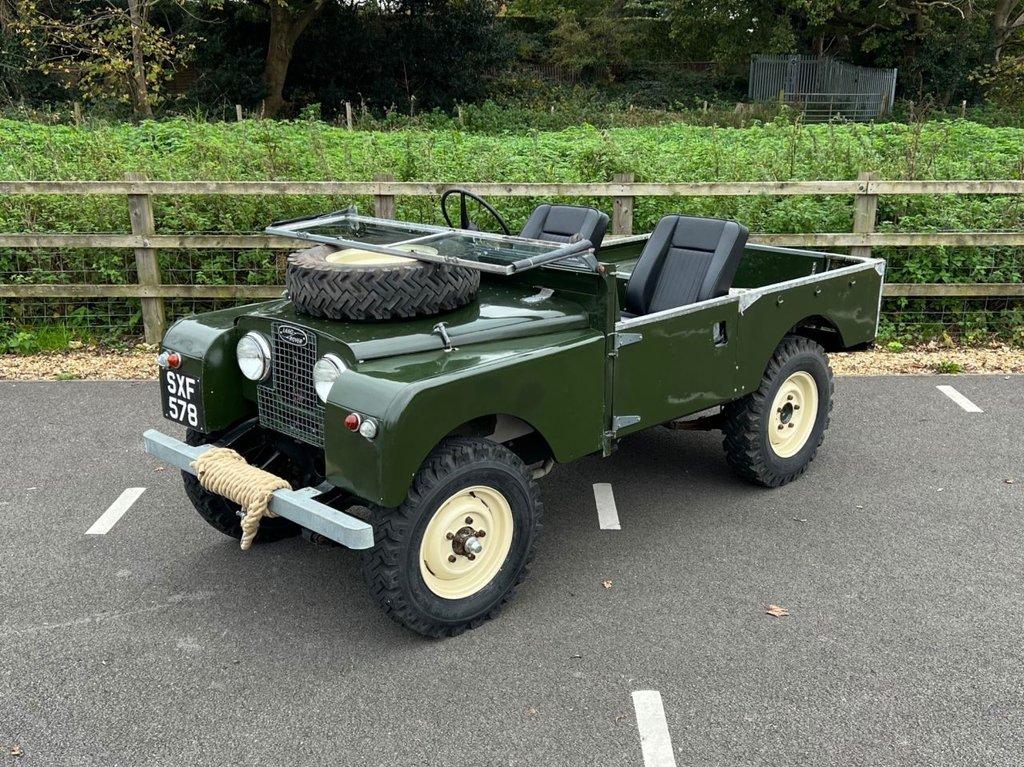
686,260
561,223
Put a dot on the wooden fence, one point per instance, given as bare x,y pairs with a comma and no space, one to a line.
145,241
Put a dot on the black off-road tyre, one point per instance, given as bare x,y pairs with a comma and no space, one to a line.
392,566
221,513
748,421
378,292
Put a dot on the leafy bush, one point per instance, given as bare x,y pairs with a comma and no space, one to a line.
947,366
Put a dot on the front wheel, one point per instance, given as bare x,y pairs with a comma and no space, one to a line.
773,433
451,556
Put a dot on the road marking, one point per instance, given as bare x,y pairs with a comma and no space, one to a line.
959,399
117,509
607,514
655,742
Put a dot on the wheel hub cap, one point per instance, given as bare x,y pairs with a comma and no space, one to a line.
794,411
466,542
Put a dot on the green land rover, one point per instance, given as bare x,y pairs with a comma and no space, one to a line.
415,381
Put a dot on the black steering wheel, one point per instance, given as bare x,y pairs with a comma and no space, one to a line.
465,222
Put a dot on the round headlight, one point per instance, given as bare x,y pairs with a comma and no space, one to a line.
326,371
253,353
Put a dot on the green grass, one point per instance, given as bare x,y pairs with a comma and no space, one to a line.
179,149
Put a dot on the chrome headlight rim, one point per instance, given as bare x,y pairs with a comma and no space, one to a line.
263,356
333,365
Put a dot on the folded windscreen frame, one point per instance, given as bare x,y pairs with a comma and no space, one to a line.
486,252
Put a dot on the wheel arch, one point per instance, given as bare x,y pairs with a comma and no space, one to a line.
821,329
516,433
521,433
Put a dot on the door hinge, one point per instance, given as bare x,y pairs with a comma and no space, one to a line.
625,339
622,421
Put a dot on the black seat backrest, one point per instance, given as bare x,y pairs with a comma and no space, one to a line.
559,223
686,260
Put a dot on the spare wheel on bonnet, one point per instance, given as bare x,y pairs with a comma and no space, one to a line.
356,284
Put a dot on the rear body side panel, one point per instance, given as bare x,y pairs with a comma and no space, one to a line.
847,299
678,366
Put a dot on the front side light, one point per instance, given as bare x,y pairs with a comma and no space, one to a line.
326,371
368,428
253,353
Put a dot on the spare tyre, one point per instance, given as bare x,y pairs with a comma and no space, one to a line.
355,284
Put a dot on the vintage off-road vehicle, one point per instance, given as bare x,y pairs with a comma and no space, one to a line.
417,380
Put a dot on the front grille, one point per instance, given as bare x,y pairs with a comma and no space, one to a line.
288,401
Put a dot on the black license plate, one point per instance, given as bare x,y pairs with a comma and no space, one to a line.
182,398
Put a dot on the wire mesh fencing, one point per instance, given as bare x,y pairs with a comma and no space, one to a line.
822,87
55,321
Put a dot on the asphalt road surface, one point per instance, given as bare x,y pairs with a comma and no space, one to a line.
899,556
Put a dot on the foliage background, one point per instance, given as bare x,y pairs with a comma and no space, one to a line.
402,56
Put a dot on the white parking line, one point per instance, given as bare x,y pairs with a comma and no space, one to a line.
607,514
959,399
655,742
117,509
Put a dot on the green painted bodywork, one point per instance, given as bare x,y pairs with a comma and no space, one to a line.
546,347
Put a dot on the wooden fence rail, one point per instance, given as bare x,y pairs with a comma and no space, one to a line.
383,190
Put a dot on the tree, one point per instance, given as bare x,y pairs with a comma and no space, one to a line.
103,49
288,20
136,16
594,47
1007,19
920,37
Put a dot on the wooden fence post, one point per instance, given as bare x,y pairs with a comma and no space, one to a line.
622,208
348,115
865,206
384,204
239,115
140,208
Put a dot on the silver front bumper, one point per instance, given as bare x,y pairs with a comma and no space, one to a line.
299,506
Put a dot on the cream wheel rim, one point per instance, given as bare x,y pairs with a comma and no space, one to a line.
793,413
360,257
466,542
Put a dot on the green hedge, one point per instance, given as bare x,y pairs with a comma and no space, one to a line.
259,150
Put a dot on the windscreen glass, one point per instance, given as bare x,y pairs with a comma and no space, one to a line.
373,232
348,229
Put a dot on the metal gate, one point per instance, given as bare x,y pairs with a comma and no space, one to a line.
821,87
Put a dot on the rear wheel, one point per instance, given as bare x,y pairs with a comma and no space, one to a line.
451,556
773,433
258,447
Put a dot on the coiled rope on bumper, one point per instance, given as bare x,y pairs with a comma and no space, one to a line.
223,471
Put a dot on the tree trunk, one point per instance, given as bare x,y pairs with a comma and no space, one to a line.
1003,25
286,26
140,93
